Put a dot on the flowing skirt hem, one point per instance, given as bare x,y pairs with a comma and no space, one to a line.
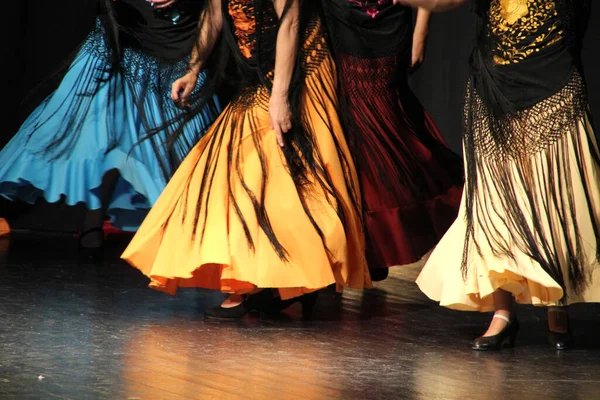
516,271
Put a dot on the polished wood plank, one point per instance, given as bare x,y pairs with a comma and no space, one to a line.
95,331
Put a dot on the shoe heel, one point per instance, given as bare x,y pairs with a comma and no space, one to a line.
505,338
93,254
512,337
308,302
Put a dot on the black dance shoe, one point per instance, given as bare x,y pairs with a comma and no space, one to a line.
379,274
252,302
307,300
91,253
486,343
560,340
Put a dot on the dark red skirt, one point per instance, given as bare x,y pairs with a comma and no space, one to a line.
411,181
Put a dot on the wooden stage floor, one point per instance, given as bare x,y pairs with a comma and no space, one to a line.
95,331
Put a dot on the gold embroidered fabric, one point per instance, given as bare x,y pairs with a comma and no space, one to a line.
243,15
523,27
313,52
244,22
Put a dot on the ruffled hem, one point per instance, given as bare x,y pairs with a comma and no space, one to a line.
204,230
96,129
30,178
217,277
488,269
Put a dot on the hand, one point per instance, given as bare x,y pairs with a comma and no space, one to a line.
418,52
182,88
280,115
161,3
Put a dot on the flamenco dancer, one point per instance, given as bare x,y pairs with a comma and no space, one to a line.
84,143
411,181
266,207
528,227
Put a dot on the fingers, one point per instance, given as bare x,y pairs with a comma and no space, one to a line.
180,93
281,127
279,135
415,63
185,95
175,90
280,119
286,125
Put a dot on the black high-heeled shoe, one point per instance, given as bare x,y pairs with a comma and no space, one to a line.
307,300
486,343
379,274
91,253
560,340
252,302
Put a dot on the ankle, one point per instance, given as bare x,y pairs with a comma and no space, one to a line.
557,310
93,238
500,321
505,315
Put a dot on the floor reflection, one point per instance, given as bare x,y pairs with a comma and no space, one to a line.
97,331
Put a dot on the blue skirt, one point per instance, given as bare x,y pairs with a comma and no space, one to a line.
96,121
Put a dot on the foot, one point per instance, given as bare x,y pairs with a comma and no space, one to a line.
92,232
91,245
236,306
92,238
378,274
232,301
499,322
308,300
496,338
559,334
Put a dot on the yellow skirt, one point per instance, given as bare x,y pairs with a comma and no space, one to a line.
488,270
177,246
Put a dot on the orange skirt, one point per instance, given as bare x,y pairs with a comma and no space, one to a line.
178,247
4,227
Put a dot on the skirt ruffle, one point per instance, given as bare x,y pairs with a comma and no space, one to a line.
411,181
488,269
90,126
176,248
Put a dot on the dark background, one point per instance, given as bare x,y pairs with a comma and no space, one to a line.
441,80
41,35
